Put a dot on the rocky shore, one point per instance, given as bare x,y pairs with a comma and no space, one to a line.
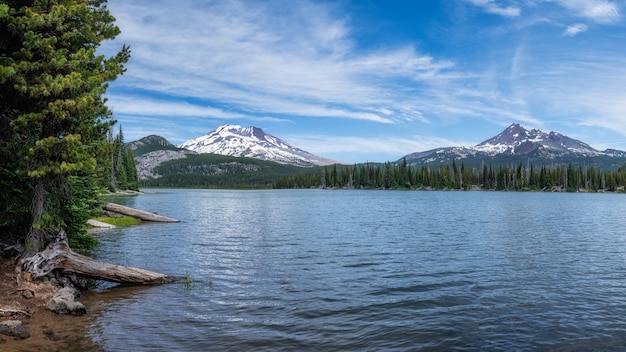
28,321
46,314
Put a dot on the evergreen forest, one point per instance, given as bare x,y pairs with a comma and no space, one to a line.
514,177
220,172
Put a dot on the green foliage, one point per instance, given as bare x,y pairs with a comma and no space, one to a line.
82,242
14,205
81,205
4,10
123,172
53,117
150,148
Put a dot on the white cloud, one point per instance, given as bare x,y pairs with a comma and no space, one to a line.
575,29
150,107
260,60
599,11
385,147
295,60
492,7
569,86
283,60
299,60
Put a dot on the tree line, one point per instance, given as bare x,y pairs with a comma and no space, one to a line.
512,177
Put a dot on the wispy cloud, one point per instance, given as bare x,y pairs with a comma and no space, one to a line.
599,11
548,81
282,61
575,29
491,6
578,86
302,62
383,147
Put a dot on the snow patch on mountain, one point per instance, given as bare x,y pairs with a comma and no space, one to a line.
515,140
252,142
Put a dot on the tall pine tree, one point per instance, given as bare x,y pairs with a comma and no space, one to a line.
53,116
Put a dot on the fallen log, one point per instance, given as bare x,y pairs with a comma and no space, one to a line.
59,256
136,213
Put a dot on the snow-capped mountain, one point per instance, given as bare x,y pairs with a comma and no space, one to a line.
517,144
518,140
252,142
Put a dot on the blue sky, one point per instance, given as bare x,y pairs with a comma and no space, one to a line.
372,80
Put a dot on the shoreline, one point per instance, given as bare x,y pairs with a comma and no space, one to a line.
48,331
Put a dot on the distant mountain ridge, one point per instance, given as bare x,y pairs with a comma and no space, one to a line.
252,142
517,140
516,144
230,156
149,144
155,157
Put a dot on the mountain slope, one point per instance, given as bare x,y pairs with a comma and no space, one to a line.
516,144
515,139
219,171
149,144
161,164
252,142
151,151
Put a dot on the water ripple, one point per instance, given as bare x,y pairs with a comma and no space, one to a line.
372,271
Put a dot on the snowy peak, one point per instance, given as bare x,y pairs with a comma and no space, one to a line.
516,144
252,142
515,139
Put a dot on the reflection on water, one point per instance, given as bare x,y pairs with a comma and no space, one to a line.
352,270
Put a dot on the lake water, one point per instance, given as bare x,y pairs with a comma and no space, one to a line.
315,270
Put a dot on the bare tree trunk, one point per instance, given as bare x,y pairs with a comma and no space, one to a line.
36,235
139,214
58,256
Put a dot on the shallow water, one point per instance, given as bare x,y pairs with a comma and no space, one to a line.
370,270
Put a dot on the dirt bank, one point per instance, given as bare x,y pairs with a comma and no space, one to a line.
48,331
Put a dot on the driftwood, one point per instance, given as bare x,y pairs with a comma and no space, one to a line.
139,214
58,256
11,312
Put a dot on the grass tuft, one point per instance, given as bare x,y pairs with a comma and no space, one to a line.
125,221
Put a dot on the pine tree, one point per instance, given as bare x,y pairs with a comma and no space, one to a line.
52,111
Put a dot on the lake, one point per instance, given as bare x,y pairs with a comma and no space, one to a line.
321,270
